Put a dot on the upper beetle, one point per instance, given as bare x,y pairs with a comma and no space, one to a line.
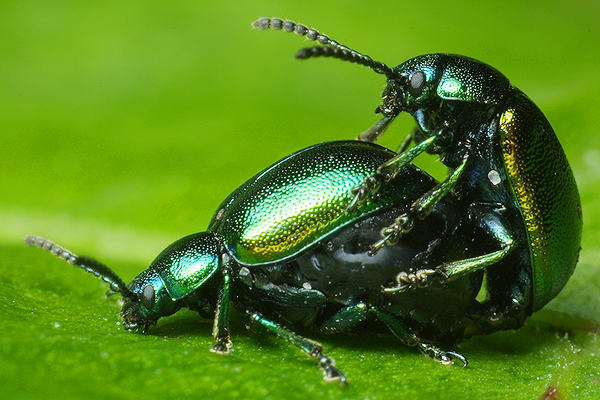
504,161
283,250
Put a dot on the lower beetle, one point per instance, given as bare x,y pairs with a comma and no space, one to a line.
504,161
285,252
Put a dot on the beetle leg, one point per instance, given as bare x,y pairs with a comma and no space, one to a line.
374,132
397,327
421,208
351,315
402,332
221,321
387,171
406,142
446,272
345,319
390,234
508,300
312,348
370,185
493,226
439,355
392,167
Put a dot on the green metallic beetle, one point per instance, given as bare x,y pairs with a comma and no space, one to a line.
504,160
283,249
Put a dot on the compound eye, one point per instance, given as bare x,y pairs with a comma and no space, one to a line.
417,83
148,296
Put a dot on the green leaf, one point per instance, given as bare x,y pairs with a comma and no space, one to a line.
124,124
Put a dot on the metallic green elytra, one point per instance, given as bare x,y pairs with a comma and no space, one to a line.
503,158
293,204
286,252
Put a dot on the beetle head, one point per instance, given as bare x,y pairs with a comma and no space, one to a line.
180,275
432,79
417,87
149,302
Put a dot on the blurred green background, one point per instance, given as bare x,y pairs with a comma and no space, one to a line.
124,124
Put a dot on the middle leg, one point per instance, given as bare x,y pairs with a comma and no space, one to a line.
311,348
493,226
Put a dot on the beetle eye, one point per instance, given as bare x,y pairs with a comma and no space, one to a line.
417,83
148,296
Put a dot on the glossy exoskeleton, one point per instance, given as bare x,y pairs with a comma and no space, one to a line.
284,250
505,164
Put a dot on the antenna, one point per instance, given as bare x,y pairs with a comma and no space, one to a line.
88,264
329,48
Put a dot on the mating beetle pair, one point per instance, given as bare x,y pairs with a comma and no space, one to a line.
331,235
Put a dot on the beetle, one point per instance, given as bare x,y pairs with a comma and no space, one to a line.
504,161
284,251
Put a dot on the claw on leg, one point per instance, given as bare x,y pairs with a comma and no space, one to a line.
386,240
441,356
390,234
330,372
222,347
413,280
311,348
370,186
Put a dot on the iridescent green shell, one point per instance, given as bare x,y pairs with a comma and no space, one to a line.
302,199
186,264
544,188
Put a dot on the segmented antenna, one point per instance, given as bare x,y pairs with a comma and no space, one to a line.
87,264
330,48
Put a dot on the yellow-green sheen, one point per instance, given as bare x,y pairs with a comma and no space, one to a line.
545,190
302,199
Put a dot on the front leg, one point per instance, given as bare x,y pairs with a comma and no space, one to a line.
374,132
221,321
406,142
391,168
420,209
386,172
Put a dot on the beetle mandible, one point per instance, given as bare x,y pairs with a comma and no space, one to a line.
285,252
504,160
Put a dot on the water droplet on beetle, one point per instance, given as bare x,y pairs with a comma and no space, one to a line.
244,271
494,177
307,285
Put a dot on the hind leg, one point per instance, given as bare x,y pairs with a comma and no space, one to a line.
402,332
